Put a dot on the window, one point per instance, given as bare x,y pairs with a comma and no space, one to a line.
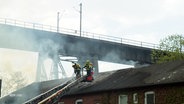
135,98
149,97
79,101
123,99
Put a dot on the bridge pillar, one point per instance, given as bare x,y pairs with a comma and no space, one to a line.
41,73
38,71
55,72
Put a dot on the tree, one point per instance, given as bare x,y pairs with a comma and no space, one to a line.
12,81
169,49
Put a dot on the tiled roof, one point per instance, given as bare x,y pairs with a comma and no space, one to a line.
167,73
30,91
157,74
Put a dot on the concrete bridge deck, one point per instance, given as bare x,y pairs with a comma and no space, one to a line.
69,45
53,44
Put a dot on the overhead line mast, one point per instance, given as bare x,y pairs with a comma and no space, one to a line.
80,18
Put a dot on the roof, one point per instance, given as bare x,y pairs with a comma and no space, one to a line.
30,91
166,73
158,74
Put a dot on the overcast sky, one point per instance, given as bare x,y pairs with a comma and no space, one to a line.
141,20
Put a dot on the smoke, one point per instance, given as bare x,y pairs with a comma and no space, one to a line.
22,39
17,39
17,61
48,48
115,57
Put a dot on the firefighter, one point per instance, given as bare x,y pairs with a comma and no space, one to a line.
77,69
89,68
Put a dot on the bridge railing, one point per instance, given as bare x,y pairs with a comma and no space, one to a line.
76,33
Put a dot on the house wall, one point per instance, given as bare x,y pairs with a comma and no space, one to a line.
163,95
96,98
170,95
87,99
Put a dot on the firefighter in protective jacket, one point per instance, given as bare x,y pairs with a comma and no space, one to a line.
77,69
89,68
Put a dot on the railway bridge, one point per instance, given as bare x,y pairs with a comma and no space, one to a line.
53,44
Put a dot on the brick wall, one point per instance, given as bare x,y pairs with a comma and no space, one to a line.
87,99
163,95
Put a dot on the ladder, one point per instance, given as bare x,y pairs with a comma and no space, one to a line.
53,96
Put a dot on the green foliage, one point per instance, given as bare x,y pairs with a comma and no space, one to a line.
169,49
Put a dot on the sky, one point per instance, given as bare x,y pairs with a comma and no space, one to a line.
14,60
140,20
